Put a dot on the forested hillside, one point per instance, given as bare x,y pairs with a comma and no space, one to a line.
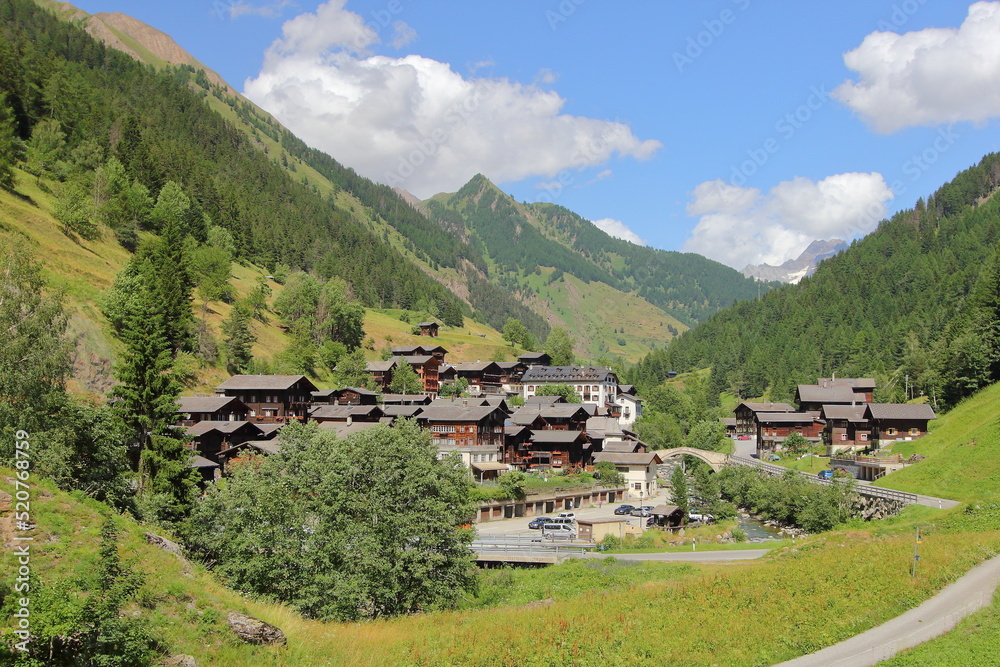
518,238
106,106
916,305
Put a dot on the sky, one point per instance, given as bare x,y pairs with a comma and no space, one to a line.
738,129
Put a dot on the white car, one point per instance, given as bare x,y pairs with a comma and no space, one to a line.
556,531
704,518
568,515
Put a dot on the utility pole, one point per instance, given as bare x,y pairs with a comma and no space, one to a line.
916,556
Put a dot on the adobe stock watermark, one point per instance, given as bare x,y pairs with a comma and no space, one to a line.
22,550
913,168
703,40
425,148
785,128
562,12
901,14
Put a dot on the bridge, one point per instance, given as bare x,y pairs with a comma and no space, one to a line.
716,460
527,550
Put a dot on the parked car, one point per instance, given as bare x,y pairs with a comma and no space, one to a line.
538,522
568,515
555,531
624,509
825,474
701,517
641,511
561,519
773,457
743,437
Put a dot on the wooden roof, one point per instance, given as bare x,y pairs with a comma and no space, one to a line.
266,382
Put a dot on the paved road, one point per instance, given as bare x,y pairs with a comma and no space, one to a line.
935,617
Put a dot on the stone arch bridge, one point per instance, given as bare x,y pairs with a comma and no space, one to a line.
716,460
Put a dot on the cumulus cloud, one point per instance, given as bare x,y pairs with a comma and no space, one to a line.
739,226
618,229
928,77
415,123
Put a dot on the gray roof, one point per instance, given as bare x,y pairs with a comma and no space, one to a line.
728,421
915,411
269,429
264,446
222,427
402,410
604,427
344,411
271,382
206,403
622,446
628,459
569,374
433,413
427,324
419,399
664,510
565,410
785,417
416,359
544,400
853,413
854,383
556,436
811,393
767,407
381,366
201,462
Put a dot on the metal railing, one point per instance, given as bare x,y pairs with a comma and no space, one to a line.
861,489
516,545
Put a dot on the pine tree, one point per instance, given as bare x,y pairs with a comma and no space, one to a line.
239,339
679,490
11,146
174,284
405,380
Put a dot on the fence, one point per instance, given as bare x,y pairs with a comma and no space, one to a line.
525,549
861,489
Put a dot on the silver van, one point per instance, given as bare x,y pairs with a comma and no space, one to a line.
555,531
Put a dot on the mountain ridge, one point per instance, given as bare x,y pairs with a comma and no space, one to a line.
794,270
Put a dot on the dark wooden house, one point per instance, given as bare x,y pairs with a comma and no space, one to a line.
428,329
271,398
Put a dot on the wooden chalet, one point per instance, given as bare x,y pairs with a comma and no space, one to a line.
515,449
208,438
729,423
535,359
892,422
346,396
479,426
435,351
668,516
863,388
194,409
271,398
847,429
426,367
382,371
812,397
346,413
406,399
774,427
429,329
559,449
746,412
484,377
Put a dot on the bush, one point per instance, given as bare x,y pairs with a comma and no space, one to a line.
739,534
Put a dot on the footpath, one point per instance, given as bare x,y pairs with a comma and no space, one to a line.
934,617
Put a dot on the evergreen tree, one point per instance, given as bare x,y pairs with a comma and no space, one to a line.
173,285
11,146
239,339
559,346
679,490
405,380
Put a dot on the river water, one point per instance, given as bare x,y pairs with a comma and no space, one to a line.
757,531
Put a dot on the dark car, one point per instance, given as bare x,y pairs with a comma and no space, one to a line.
538,522
624,509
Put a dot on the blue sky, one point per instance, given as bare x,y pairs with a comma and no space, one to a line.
723,127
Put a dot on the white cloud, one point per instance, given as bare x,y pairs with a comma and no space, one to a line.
928,77
739,226
403,34
618,229
415,123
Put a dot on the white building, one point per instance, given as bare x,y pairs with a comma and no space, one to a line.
638,469
593,384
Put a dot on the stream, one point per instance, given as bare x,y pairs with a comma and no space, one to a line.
757,531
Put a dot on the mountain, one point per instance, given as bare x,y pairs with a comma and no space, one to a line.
914,305
795,270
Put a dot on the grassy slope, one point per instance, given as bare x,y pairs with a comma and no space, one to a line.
84,270
961,451
598,615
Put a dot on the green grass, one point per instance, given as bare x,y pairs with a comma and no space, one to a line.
961,451
811,464
971,644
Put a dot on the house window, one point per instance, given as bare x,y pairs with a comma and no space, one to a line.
843,436
637,486
914,431
864,436
891,431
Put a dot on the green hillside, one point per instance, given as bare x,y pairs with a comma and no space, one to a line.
961,453
917,298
